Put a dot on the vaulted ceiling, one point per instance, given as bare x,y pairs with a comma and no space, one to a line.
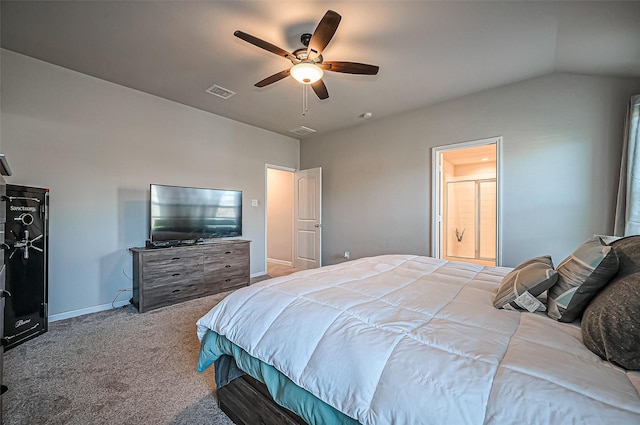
428,51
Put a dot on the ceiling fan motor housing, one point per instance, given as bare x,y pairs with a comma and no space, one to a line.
305,38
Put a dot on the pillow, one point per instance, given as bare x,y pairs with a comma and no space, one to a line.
520,287
580,277
611,322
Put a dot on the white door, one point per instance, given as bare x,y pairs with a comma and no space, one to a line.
307,235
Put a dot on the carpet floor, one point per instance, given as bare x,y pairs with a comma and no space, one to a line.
114,367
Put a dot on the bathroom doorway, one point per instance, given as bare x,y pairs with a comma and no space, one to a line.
466,202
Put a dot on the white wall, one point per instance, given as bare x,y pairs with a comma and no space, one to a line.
98,146
562,137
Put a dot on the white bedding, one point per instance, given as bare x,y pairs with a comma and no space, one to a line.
402,339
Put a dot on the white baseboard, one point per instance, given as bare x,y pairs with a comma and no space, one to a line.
83,311
103,307
284,263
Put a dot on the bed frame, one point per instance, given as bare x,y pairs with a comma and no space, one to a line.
247,402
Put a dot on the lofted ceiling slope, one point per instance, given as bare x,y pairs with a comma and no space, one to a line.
428,51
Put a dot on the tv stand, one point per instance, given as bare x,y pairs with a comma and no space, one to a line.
167,276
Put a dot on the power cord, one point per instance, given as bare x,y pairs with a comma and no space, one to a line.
124,272
120,292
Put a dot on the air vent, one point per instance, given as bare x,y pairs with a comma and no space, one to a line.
302,131
220,91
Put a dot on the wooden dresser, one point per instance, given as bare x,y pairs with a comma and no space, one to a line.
165,276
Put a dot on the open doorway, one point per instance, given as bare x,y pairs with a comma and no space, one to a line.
279,221
466,202
293,217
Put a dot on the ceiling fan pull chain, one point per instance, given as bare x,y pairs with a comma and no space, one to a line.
305,104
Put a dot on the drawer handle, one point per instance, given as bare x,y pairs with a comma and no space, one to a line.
176,274
175,258
227,252
227,280
227,266
175,290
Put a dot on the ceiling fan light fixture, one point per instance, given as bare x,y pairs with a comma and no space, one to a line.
306,72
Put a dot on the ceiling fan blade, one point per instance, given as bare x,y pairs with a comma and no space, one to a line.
272,79
320,89
263,44
350,67
323,34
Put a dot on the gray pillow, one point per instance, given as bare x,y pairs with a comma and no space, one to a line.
520,287
611,322
580,277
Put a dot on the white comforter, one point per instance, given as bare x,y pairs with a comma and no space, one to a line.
401,339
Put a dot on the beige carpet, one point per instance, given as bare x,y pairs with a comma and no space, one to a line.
114,367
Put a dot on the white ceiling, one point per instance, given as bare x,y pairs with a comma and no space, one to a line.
427,51
471,155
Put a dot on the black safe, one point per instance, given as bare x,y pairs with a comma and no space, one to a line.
26,249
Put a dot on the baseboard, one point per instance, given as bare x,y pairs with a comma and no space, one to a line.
284,263
103,307
88,310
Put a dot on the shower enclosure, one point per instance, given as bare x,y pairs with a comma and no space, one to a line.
470,221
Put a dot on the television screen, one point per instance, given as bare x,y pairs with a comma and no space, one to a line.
191,214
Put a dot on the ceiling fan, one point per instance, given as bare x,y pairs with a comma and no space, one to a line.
308,63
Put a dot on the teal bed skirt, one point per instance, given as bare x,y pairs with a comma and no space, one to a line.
287,394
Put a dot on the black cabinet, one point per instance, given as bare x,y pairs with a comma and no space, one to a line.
26,260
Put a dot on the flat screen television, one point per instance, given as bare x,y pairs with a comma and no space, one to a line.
192,214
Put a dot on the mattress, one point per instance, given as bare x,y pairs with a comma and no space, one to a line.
411,339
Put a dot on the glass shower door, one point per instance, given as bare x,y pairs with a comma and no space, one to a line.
470,224
461,219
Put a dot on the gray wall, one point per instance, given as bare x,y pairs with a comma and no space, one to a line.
562,137
98,146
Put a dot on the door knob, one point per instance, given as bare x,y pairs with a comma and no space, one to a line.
317,225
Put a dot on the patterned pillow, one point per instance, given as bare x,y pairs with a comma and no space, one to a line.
519,288
580,277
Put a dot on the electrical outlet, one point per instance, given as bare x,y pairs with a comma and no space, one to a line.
347,255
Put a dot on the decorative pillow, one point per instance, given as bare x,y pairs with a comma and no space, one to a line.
519,288
580,277
611,322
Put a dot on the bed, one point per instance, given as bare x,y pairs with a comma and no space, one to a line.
404,339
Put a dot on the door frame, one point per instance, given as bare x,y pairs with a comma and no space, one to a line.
436,192
266,209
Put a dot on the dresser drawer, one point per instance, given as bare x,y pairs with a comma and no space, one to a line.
176,260
236,256
225,283
172,294
172,270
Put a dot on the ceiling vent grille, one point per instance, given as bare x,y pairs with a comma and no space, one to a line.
302,131
220,91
